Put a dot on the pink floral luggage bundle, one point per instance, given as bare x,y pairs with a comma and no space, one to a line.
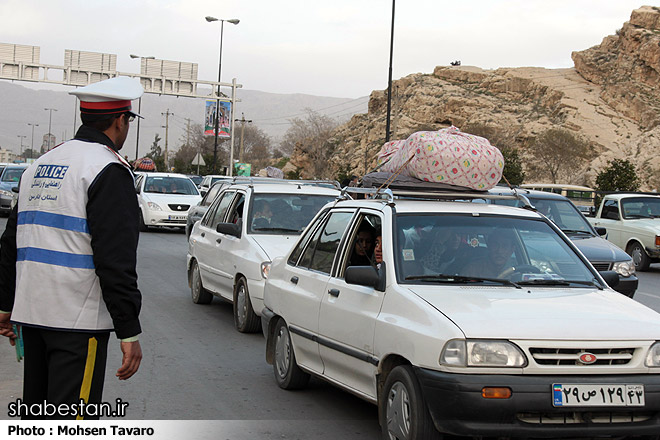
446,156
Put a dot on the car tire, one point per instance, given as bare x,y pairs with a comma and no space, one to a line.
199,294
143,226
288,374
402,409
245,320
639,257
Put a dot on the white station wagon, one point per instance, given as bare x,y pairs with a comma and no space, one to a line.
231,247
470,319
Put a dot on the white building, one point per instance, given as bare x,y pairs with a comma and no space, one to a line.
7,156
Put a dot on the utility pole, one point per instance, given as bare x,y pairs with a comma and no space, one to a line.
21,137
50,118
242,121
167,127
32,142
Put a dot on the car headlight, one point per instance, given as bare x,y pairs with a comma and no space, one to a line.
482,353
624,268
265,269
153,206
653,356
6,193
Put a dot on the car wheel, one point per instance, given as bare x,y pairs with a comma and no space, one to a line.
142,224
287,373
245,320
639,257
199,294
403,412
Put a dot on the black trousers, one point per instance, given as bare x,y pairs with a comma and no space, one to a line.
63,367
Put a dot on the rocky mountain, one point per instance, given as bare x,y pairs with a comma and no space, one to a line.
611,98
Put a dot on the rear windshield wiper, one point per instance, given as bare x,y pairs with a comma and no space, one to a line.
460,279
540,282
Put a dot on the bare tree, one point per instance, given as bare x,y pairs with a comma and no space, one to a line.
559,155
256,147
309,140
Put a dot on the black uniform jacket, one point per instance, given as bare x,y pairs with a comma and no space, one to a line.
112,217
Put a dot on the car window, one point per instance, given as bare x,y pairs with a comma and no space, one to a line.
12,174
321,251
216,213
640,207
510,249
360,251
138,182
284,213
297,251
236,212
210,195
610,210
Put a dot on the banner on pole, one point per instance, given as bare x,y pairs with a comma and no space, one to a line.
223,122
243,169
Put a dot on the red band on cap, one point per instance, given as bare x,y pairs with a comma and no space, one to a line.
107,105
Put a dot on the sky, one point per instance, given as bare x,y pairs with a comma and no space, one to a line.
337,48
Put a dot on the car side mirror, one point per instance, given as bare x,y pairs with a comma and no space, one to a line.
14,189
202,192
610,277
233,229
601,231
366,276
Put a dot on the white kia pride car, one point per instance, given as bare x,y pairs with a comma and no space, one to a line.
466,319
231,247
164,199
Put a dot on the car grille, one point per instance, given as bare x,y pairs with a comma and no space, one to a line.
602,266
178,207
570,418
173,222
570,356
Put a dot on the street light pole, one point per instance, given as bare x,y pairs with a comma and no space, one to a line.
50,117
32,142
137,132
217,103
21,137
389,80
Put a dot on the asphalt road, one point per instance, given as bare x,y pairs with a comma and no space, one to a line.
197,367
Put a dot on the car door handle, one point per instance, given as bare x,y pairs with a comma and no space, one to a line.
203,234
218,240
334,292
294,280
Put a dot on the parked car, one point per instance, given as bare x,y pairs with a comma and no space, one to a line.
249,224
632,221
196,212
11,175
480,320
603,254
164,199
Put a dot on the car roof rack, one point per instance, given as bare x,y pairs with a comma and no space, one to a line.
252,180
391,194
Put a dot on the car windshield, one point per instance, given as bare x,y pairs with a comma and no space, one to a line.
465,249
12,174
284,213
562,212
170,185
640,207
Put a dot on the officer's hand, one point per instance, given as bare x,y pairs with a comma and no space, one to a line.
130,360
6,328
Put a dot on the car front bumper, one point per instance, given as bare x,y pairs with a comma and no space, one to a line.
653,252
5,204
165,218
457,407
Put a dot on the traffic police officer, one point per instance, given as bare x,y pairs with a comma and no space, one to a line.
68,256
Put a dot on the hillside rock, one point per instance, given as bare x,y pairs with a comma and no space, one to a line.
611,99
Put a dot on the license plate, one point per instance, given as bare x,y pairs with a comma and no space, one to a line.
597,395
176,217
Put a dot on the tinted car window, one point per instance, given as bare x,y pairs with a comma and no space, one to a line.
295,255
321,253
12,174
610,210
210,196
216,214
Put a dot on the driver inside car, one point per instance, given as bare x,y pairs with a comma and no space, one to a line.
495,264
